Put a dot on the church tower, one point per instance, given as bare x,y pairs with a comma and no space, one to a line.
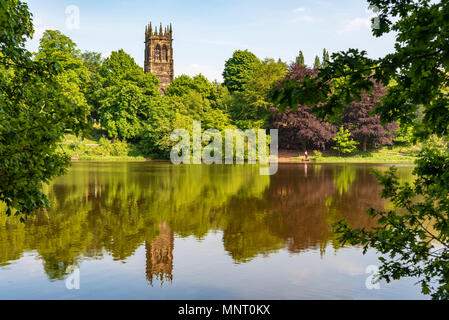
159,54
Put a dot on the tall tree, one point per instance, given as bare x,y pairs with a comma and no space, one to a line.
120,66
126,89
238,68
37,103
93,61
343,142
250,108
414,236
366,128
317,63
325,59
74,77
300,59
299,128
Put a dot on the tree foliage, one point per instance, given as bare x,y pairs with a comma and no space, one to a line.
414,235
238,68
298,127
125,92
317,63
300,59
37,103
343,142
251,107
366,127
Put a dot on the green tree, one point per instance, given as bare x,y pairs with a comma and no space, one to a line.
250,108
317,63
300,59
238,68
120,66
121,110
93,61
413,237
184,84
343,142
161,121
37,103
325,59
74,77
126,90
220,96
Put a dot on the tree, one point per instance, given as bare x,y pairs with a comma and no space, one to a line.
366,128
301,129
74,77
317,63
250,108
325,59
93,61
120,66
184,84
155,138
237,69
300,59
121,110
37,103
126,90
219,96
413,237
343,142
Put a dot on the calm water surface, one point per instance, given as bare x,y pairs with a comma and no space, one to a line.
158,231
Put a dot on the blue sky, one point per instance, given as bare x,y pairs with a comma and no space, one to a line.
207,32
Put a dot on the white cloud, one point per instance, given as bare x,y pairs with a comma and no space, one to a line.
355,25
305,19
301,18
299,10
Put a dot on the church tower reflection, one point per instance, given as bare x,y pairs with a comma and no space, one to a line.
159,256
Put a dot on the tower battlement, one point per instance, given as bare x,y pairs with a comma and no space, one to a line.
165,33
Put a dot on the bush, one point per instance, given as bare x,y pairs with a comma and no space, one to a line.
318,154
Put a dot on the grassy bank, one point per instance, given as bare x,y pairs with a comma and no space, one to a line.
384,155
99,148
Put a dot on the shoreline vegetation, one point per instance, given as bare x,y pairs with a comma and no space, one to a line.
99,148
383,155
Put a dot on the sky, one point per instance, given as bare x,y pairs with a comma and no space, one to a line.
207,32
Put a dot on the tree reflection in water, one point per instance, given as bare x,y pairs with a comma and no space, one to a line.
115,208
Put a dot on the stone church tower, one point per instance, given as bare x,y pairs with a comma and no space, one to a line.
159,54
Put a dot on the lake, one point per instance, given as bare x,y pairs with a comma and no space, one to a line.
152,230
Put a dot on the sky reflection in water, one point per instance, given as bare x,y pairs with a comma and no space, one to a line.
158,231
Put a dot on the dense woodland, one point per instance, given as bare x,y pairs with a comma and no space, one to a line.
128,110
